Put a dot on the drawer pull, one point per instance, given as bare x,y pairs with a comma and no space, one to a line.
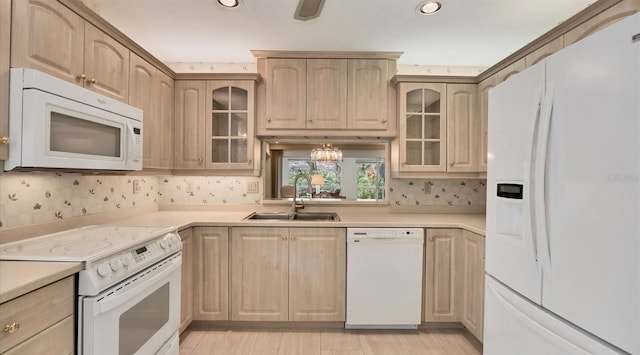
4,140
12,328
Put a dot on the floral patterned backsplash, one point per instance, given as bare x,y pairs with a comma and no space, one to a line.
403,192
214,190
38,197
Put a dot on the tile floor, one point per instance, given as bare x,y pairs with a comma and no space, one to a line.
328,342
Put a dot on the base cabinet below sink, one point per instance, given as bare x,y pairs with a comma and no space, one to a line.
288,274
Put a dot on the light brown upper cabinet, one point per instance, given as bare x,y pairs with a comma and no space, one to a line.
483,110
162,141
143,95
286,93
423,127
215,122
368,90
326,93
439,130
344,95
49,37
462,128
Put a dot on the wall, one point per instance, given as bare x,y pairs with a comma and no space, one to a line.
39,197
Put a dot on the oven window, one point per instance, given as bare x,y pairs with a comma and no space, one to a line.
140,322
75,135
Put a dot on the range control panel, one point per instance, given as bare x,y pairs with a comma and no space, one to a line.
109,270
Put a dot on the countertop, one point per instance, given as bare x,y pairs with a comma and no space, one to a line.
20,277
365,218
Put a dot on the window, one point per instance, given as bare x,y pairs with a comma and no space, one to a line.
329,171
371,179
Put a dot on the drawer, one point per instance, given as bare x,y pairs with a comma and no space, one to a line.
36,311
57,339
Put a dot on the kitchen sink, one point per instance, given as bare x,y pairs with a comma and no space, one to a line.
316,216
297,216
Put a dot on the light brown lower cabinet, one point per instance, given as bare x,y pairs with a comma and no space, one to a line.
472,310
288,274
210,273
441,277
42,320
186,283
454,278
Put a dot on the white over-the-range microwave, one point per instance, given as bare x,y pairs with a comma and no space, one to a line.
54,124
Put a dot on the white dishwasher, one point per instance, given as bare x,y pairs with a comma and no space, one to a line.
384,277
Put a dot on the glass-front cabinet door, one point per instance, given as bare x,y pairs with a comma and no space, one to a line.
229,126
422,127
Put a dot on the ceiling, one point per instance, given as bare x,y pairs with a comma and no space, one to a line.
472,33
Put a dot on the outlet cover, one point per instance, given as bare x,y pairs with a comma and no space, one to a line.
253,187
189,187
136,186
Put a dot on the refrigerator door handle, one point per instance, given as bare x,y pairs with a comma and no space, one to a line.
540,183
529,166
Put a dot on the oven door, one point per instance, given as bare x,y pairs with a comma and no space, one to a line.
140,315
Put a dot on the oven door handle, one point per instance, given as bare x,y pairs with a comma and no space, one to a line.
150,278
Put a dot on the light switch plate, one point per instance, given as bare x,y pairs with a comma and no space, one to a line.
253,187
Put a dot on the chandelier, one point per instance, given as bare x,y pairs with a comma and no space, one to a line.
328,153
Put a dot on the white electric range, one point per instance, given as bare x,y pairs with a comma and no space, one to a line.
128,290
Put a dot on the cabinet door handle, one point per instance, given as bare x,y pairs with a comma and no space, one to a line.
404,163
430,238
249,161
384,120
82,77
12,328
92,81
4,140
268,120
200,160
284,237
293,237
310,120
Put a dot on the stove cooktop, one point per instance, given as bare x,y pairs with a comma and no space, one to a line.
82,244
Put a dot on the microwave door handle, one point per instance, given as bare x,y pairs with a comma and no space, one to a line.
112,302
130,143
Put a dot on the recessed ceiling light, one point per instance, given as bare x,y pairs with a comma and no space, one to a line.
429,7
229,3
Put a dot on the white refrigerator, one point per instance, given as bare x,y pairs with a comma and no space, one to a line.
563,196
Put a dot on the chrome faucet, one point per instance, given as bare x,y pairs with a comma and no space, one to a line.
294,205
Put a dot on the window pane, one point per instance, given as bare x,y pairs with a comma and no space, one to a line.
432,127
238,99
220,125
414,153
239,124
221,99
414,126
431,101
238,150
219,151
414,101
432,153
